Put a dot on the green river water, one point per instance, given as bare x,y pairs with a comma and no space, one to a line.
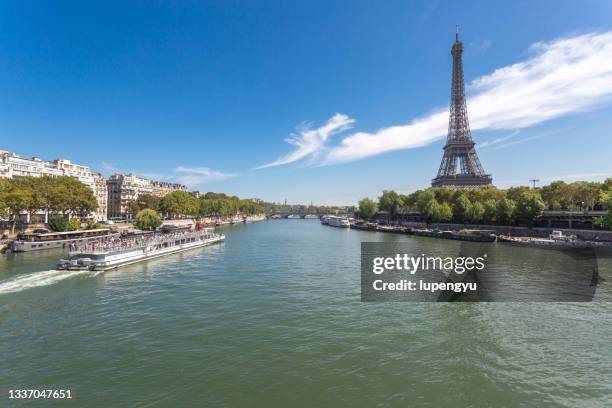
273,318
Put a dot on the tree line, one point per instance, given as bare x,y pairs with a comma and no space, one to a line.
146,208
62,195
490,205
182,203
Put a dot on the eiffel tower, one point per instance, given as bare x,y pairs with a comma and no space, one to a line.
459,144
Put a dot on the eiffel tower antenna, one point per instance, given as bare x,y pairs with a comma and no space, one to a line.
459,143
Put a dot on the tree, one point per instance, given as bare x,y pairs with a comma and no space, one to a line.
461,207
179,203
490,211
587,195
552,195
390,201
58,223
513,193
17,201
74,224
485,193
147,220
367,208
431,209
445,213
144,201
530,206
424,200
475,213
505,213
605,201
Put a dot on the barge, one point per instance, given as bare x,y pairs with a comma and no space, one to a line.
463,235
115,253
364,226
49,240
556,240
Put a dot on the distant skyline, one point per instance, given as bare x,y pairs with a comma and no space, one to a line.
326,102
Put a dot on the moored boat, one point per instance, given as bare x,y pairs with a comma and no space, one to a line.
463,235
392,229
364,226
50,240
117,252
556,240
335,221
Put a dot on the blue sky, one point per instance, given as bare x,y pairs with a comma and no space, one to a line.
208,92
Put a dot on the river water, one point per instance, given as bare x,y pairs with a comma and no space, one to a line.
273,318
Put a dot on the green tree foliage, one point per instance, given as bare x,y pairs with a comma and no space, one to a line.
530,206
506,211
144,201
147,220
178,203
475,213
461,208
490,211
500,206
91,224
58,223
57,195
606,203
424,200
587,195
431,210
514,193
390,201
367,208
445,213
74,224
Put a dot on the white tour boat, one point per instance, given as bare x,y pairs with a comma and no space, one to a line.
117,252
50,240
339,222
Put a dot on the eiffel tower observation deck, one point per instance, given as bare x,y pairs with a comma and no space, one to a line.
459,148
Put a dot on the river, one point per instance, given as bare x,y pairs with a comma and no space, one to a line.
273,318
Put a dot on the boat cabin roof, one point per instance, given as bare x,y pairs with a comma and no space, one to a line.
48,234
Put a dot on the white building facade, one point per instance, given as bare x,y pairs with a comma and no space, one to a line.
124,188
14,166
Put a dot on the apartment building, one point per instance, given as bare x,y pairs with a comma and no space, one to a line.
14,166
124,188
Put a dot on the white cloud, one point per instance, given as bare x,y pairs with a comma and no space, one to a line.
565,76
310,142
107,167
199,175
499,140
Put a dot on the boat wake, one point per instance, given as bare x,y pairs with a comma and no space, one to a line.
37,279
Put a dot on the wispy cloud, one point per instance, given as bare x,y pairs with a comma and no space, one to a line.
189,176
565,76
479,47
562,77
192,176
107,167
310,142
489,143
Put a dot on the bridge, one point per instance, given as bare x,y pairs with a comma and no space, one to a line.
300,214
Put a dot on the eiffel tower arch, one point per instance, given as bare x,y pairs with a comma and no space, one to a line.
460,166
